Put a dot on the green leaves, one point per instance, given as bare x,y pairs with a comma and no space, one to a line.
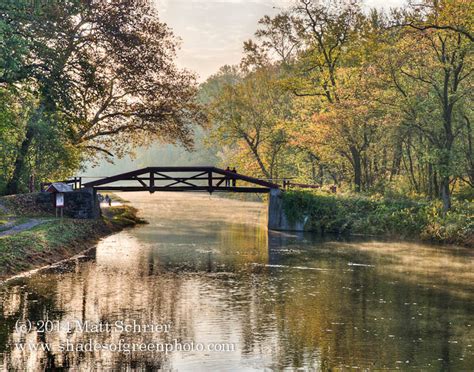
103,80
369,101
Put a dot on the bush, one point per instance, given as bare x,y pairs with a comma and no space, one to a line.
457,227
376,215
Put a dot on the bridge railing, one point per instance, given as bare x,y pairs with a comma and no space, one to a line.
209,179
288,185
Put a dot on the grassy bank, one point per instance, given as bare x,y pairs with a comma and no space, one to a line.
401,218
51,241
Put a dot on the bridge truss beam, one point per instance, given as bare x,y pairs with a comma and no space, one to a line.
208,179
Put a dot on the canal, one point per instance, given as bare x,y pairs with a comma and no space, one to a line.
205,287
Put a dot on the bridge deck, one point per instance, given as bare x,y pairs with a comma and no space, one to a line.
208,179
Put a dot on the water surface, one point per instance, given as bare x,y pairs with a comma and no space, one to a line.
208,268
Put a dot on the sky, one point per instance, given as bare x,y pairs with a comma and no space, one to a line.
212,32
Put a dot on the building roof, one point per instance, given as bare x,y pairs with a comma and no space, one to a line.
59,187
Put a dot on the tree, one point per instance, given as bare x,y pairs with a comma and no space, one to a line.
251,115
12,121
456,16
350,128
279,37
432,72
106,71
326,28
14,46
381,102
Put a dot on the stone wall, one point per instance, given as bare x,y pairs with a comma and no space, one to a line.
81,204
277,219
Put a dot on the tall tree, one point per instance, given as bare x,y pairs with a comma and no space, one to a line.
326,28
251,115
106,71
432,71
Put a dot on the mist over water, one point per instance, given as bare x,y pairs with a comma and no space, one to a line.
209,268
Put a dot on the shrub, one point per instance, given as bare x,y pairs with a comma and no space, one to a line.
376,215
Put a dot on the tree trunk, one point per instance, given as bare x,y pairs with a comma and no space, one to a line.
313,167
13,185
321,175
469,152
397,160
431,189
357,164
436,184
445,194
411,169
254,150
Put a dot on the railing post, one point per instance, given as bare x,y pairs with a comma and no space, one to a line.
152,182
209,181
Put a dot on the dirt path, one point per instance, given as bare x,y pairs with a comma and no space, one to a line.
22,227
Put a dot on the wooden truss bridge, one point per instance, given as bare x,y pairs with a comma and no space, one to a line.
207,179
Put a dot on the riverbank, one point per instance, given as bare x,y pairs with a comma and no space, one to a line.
29,238
378,216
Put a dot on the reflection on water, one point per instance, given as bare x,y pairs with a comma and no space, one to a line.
210,269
